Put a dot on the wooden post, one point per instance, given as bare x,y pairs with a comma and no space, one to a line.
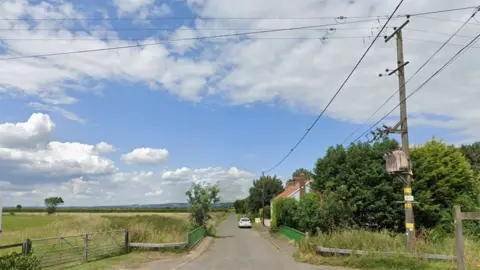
127,241
86,247
459,241
27,247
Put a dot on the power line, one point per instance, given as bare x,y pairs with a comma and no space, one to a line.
173,29
177,39
433,32
414,74
460,52
139,39
238,18
442,11
338,91
445,20
439,42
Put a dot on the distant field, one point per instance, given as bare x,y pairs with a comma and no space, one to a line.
66,214
109,210
143,227
154,227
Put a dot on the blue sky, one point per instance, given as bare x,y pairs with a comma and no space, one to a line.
218,110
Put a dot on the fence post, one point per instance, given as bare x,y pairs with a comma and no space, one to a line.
86,247
26,247
127,241
459,241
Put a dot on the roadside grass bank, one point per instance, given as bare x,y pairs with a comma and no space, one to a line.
384,241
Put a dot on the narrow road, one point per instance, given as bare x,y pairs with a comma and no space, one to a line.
244,249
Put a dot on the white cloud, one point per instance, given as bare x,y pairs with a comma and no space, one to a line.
154,193
234,183
292,73
33,133
135,177
52,108
81,176
103,147
184,32
304,73
27,154
146,156
54,79
143,8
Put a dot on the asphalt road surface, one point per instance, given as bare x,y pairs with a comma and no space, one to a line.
244,249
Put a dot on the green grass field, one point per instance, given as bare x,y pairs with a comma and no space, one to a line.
22,222
143,228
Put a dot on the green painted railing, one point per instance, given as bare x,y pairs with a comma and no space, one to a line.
292,233
195,236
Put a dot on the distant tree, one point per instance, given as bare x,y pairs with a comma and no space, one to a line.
472,153
241,206
51,204
201,198
443,177
264,189
19,207
308,174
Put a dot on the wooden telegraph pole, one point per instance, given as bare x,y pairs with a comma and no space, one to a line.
403,125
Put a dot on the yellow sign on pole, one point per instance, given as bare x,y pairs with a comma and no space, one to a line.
409,225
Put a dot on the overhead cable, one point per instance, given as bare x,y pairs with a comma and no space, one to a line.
337,92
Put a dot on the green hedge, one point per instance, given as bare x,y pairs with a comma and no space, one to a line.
16,261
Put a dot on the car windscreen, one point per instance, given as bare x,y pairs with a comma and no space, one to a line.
244,219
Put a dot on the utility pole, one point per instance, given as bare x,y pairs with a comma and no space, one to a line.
263,200
403,124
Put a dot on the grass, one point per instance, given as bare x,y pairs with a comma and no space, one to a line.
386,242
143,228
21,222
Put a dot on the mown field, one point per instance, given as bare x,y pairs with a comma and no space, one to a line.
143,227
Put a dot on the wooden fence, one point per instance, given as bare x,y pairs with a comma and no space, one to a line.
459,216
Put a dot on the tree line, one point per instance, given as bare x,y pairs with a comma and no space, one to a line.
352,189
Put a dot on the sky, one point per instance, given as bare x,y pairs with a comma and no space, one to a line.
140,124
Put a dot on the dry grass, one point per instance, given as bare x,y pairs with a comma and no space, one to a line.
389,242
170,215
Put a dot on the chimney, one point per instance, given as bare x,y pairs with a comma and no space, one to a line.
301,181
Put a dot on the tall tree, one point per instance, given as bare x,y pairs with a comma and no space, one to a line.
472,153
443,177
358,177
264,189
201,198
51,204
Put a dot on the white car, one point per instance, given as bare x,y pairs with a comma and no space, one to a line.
244,223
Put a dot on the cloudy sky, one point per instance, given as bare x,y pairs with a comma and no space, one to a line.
140,124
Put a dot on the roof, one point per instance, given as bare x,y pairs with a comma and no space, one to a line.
289,191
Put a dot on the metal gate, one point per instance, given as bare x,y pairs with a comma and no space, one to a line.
69,249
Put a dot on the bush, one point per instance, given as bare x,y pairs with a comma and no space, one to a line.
16,261
307,216
285,210
266,209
